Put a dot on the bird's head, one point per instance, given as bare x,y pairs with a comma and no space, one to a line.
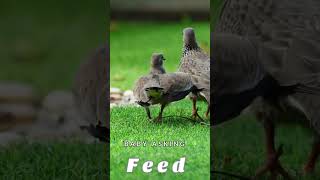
154,93
157,60
189,37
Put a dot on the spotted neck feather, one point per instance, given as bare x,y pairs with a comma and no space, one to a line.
188,48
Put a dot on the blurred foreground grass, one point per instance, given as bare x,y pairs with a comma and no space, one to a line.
53,160
239,147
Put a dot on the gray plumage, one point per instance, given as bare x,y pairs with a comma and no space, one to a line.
235,66
286,35
156,64
166,88
163,89
276,39
196,62
156,67
91,92
268,52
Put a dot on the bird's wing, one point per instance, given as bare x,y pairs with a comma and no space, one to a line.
236,75
139,89
177,85
286,42
175,82
287,33
103,100
234,65
263,18
88,84
203,85
197,64
298,64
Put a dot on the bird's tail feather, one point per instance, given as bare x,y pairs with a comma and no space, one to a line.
195,89
97,131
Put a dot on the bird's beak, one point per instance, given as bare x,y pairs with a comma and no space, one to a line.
163,59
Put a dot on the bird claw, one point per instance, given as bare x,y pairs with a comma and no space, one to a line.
157,120
308,169
195,115
207,114
273,166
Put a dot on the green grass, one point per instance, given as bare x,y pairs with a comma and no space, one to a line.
132,44
131,124
42,44
239,147
53,161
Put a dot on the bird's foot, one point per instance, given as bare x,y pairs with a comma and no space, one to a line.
308,169
195,115
308,172
273,166
206,114
312,160
157,119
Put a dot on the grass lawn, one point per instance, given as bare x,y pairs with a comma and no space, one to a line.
53,160
132,44
132,124
42,44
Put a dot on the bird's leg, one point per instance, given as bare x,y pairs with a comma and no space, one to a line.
272,164
314,154
195,114
194,107
159,118
208,111
148,112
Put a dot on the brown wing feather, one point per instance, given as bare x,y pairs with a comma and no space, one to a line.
139,89
235,67
175,82
287,34
90,87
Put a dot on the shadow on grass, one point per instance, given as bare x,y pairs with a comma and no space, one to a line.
181,120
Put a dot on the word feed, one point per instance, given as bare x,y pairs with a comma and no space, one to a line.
162,167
